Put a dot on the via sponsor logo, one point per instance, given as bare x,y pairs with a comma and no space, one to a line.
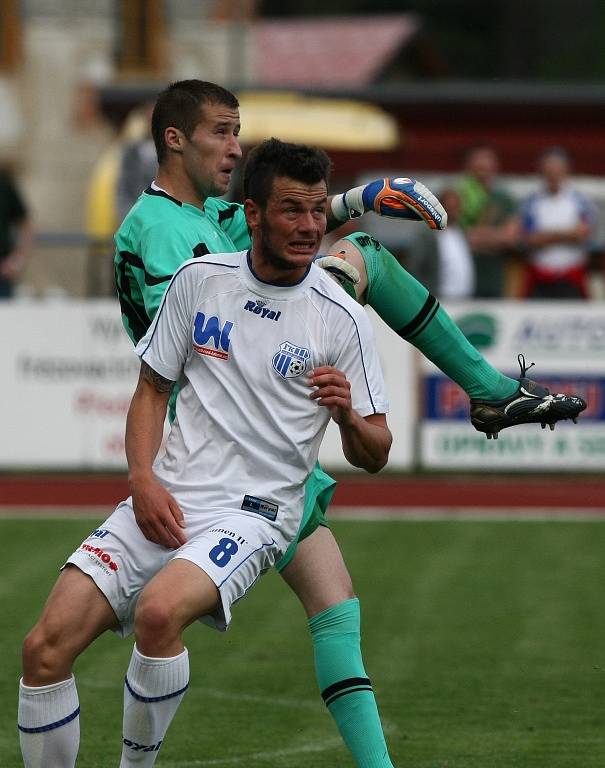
260,308
206,330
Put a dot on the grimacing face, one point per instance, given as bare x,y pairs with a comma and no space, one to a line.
290,229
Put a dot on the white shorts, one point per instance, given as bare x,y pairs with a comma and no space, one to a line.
233,549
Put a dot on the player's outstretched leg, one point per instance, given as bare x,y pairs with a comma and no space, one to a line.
497,401
530,404
411,311
344,684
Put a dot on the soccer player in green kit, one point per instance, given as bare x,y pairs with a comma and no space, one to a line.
195,126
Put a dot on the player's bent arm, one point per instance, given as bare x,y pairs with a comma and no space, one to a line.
574,235
156,511
366,441
145,421
488,237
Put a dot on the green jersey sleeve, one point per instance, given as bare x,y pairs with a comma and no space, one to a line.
232,220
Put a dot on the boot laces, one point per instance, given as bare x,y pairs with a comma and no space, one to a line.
524,368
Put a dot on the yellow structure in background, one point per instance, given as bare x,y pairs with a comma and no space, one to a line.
334,124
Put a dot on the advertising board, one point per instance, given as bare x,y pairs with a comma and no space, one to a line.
566,340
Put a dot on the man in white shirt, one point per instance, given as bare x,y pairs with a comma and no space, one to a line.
258,390
442,260
557,226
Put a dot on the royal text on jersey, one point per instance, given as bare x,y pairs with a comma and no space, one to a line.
210,329
259,308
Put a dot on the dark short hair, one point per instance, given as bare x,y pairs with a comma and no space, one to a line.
560,152
274,158
178,106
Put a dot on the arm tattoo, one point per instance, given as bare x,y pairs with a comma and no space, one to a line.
153,377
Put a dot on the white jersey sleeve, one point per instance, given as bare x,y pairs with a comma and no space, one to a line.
359,360
167,344
353,350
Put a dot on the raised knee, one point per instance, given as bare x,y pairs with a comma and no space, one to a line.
155,622
46,658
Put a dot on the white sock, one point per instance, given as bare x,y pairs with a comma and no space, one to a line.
49,724
153,690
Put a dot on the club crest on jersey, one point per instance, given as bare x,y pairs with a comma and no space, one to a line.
260,308
290,360
209,329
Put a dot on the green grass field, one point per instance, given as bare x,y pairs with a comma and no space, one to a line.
485,642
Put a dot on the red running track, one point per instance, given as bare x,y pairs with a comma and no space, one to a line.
459,491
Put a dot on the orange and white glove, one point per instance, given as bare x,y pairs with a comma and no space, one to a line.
399,198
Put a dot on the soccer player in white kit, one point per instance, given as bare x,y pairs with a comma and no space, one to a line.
267,348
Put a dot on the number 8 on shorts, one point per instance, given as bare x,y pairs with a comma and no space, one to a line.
222,553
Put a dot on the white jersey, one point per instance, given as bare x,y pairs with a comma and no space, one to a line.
565,210
246,434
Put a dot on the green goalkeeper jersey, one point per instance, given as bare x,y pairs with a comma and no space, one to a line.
156,237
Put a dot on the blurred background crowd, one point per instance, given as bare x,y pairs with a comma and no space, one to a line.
499,113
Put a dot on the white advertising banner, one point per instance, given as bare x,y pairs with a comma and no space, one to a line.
566,340
69,371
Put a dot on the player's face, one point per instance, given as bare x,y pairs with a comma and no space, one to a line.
212,151
290,229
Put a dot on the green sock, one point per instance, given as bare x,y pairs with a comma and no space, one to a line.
410,310
344,685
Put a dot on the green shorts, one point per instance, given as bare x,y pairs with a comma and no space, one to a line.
319,490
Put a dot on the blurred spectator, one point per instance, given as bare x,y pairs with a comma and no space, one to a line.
16,234
138,165
488,216
557,226
442,260
104,203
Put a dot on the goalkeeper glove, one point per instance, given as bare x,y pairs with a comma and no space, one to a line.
343,272
399,198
